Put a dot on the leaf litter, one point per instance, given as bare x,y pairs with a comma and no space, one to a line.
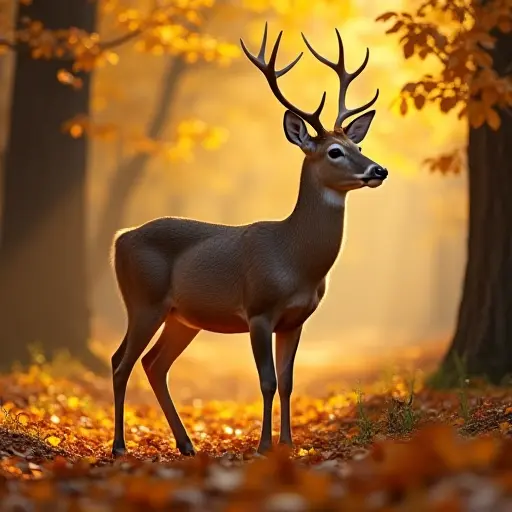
403,449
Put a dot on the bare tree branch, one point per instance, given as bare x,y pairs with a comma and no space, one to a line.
118,41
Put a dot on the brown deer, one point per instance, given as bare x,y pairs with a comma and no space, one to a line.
262,278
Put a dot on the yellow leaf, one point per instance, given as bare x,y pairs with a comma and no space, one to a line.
112,58
53,440
22,418
191,57
73,402
505,427
9,405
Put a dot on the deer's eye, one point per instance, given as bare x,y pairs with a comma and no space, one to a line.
335,153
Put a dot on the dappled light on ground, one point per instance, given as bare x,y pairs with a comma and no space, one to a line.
56,432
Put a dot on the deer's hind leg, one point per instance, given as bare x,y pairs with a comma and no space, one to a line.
118,355
174,339
143,323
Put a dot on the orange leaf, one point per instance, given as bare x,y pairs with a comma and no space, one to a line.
409,87
408,49
489,96
419,102
76,131
505,25
476,114
403,107
482,59
429,86
386,16
395,28
493,119
448,103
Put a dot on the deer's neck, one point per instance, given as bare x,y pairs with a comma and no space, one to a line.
315,227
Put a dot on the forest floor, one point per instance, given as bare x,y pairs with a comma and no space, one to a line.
390,446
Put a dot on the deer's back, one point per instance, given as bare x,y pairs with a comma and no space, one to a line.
172,235
145,256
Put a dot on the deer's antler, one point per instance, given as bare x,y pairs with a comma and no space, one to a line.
270,73
345,79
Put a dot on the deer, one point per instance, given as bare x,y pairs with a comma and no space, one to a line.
265,278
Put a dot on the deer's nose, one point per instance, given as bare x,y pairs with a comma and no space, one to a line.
376,171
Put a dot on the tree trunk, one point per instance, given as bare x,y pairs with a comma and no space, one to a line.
129,172
483,337
43,290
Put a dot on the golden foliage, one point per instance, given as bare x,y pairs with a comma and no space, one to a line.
190,133
458,34
169,27
451,162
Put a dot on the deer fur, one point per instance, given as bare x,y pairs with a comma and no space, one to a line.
262,278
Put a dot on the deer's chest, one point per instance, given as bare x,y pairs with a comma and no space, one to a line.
298,307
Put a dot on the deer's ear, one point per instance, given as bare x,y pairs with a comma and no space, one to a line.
356,131
296,131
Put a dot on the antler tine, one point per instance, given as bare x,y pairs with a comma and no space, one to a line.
322,59
345,79
263,47
346,113
270,73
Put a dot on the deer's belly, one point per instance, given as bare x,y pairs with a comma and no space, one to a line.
211,320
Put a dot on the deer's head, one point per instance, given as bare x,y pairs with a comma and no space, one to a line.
334,156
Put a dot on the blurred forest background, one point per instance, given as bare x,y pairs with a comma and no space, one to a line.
173,120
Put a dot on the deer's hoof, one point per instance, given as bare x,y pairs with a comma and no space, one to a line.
118,450
187,449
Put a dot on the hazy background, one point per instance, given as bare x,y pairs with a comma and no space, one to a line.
394,291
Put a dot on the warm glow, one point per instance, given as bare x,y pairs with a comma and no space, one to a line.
381,298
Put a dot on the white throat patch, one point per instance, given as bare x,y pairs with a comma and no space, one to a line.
334,198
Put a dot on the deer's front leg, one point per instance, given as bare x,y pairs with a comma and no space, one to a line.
286,348
261,341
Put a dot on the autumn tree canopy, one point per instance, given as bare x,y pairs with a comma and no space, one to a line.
456,37
472,44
